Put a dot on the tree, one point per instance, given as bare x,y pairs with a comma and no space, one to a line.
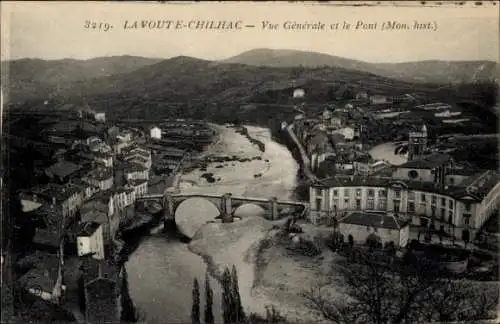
239,313
195,310
414,292
209,296
227,307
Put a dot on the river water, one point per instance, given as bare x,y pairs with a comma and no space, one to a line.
162,269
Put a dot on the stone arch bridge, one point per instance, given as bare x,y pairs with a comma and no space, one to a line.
227,204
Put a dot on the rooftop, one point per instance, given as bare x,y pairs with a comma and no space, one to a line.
59,192
93,269
46,237
129,167
137,182
62,169
43,275
428,162
88,228
100,174
379,220
476,187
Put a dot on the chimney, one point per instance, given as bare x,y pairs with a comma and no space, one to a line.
53,201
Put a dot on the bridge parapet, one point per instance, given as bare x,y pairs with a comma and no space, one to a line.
226,204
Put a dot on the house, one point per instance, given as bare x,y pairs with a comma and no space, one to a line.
101,209
299,93
100,177
90,240
101,285
362,165
44,280
103,158
346,132
126,171
123,197
155,132
138,155
88,189
460,210
62,171
432,168
378,100
386,227
67,198
140,187
100,116
362,95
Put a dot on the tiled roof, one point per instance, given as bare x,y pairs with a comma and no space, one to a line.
379,220
47,237
129,167
428,162
62,169
44,275
137,182
60,192
476,187
100,174
88,228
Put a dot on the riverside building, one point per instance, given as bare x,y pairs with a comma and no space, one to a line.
422,193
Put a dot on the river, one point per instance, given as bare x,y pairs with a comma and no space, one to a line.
162,269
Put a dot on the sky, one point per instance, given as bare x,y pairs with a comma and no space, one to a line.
55,30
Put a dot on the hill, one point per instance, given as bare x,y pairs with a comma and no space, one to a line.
35,77
422,71
190,87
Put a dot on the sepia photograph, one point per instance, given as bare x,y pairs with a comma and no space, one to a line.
250,162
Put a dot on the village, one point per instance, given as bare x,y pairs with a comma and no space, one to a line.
85,195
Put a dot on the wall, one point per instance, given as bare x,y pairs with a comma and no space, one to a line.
361,232
83,245
423,174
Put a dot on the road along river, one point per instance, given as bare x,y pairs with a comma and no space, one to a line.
161,270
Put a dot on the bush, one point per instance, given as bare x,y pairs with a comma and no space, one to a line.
307,248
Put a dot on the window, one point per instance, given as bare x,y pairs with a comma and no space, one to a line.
358,192
319,192
411,207
318,203
370,204
382,193
450,217
371,193
443,201
375,229
467,219
433,200
396,206
347,192
450,204
422,197
433,211
411,195
467,207
335,193
443,214
358,203
382,205
346,203
397,193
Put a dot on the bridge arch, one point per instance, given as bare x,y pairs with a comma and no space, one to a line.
250,208
191,213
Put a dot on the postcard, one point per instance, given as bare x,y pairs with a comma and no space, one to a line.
250,162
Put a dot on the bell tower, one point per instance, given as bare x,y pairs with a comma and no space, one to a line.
417,143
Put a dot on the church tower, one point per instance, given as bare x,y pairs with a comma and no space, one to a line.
417,143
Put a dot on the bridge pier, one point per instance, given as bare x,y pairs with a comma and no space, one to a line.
273,208
168,212
226,208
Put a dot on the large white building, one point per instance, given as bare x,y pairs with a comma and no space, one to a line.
155,132
90,240
461,208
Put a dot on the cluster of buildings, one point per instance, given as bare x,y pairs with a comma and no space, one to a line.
88,192
364,196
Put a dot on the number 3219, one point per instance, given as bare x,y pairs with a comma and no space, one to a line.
96,25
